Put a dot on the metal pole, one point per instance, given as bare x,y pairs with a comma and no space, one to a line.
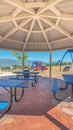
62,60
23,61
50,64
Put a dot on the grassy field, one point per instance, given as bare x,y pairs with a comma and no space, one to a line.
55,71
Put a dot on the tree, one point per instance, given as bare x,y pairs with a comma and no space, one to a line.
17,66
18,55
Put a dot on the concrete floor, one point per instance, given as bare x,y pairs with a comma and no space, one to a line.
38,110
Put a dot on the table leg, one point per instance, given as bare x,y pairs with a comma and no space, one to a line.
8,90
15,93
72,92
8,108
64,88
35,78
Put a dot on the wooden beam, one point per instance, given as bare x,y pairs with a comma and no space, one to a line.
55,10
49,22
64,32
36,31
59,40
49,4
54,41
48,29
15,29
29,33
19,4
25,30
44,34
57,22
51,42
15,41
62,16
10,18
37,43
65,48
12,40
8,48
33,31
15,23
16,12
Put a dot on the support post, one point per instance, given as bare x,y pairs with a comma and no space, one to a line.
23,61
50,64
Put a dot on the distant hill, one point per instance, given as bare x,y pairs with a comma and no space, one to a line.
8,62
11,62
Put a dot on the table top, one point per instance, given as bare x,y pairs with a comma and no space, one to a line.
26,73
31,72
12,83
30,78
68,78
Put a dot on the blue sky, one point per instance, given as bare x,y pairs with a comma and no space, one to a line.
39,56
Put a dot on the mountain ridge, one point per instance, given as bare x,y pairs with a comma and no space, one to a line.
10,62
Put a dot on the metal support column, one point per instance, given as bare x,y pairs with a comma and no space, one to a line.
23,61
50,64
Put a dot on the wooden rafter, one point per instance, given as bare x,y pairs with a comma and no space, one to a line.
62,16
55,10
15,29
10,18
44,34
19,4
14,23
33,31
51,42
24,30
48,29
16,12
49,4
28,35
57,27
59,40
15,41
63,48
57,22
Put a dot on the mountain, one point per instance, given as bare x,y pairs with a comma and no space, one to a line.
11,62
8,62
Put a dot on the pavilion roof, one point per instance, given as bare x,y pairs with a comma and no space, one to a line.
36,25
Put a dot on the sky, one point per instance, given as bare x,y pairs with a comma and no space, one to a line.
38,56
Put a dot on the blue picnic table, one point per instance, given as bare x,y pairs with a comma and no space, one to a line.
24,73
11,84
68,79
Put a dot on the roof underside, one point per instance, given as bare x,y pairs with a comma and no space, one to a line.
36,25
